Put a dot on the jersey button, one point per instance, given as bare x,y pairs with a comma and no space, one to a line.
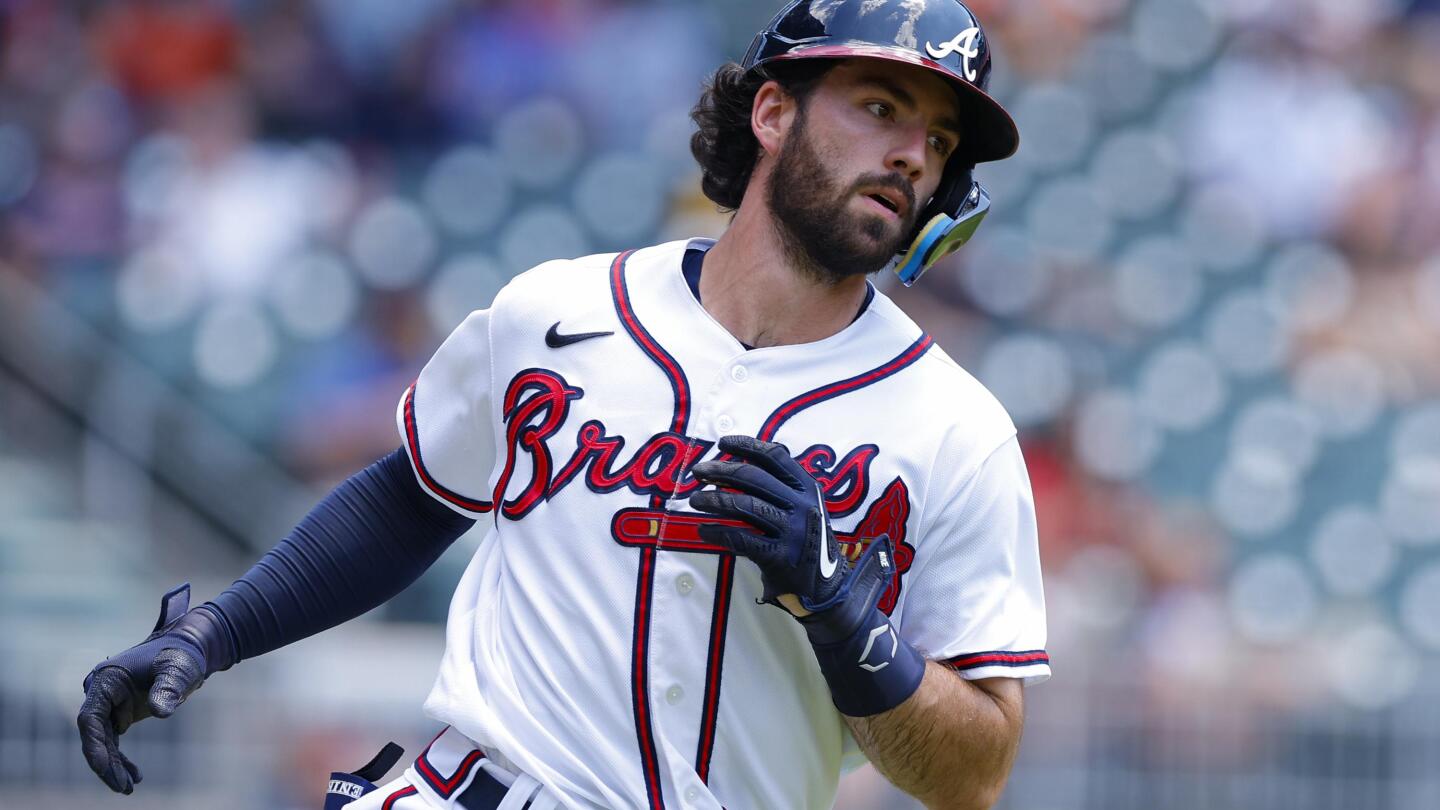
725,424
684,584
739,374
674,695
692,793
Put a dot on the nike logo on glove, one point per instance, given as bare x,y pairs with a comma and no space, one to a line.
555,340
828,562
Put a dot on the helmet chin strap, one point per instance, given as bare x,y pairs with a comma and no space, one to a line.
942,235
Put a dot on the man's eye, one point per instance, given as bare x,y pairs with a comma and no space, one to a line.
940,145
879,109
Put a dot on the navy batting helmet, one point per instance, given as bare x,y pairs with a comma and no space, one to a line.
938,35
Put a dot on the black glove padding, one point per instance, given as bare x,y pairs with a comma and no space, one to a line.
150,679
791,542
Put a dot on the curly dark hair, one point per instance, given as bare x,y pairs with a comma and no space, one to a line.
725,146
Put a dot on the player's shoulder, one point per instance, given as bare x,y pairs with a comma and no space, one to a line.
556,283
582,288
948,398
572,292
558,280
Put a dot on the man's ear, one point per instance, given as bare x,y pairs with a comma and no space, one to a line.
771,116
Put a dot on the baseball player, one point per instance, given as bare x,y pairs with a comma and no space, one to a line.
745,524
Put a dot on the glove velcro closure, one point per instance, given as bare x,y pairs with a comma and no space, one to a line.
868,667
837,617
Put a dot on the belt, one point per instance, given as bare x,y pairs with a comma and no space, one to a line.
485,793
481,790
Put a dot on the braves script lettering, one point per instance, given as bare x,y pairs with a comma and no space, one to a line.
536,405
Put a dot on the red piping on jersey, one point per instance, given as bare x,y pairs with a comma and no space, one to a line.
412,439
640,678
725,572
444,787
809,398
718,624
645,581
648,344
397,796
998,659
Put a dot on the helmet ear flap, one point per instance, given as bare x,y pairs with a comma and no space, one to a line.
950,196
947,223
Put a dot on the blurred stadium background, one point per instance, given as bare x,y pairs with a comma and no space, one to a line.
232,232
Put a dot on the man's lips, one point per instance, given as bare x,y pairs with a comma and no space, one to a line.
890,201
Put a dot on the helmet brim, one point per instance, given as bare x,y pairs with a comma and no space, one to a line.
994,135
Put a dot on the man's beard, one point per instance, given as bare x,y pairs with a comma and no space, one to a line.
819,233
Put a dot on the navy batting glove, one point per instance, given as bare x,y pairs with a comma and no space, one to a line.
868,668
150,679
791,539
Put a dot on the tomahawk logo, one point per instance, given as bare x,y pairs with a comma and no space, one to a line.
965,43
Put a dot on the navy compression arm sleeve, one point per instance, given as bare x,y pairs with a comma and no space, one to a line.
365,542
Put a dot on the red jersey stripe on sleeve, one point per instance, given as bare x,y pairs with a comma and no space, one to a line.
997,659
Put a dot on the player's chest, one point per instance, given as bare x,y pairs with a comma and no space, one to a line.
598,416
616,440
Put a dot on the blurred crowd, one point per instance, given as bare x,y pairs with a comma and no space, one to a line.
286,202
1209,293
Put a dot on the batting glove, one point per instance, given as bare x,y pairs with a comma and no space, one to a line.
787,534
150,679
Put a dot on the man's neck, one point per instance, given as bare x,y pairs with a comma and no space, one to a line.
752,287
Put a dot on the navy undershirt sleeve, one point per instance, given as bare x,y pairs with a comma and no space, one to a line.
364,543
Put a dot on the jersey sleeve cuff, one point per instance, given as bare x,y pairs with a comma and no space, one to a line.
1033,666
409,429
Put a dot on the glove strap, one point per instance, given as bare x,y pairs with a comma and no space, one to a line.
204,627
868,667
172,606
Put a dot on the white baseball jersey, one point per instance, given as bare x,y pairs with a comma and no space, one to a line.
595,641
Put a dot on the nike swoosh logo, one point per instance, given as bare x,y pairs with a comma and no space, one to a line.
828,563
555,340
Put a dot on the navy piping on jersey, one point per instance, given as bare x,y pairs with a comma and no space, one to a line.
1025,658
390,800
725,582
444,786
652,348
691,265
815,396
715,666
645,581
482,791
412,440
695,258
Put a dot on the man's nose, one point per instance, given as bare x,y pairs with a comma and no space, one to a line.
907,156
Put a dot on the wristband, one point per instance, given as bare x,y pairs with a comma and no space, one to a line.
205,627
868,667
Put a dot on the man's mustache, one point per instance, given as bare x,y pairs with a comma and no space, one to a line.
891,181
